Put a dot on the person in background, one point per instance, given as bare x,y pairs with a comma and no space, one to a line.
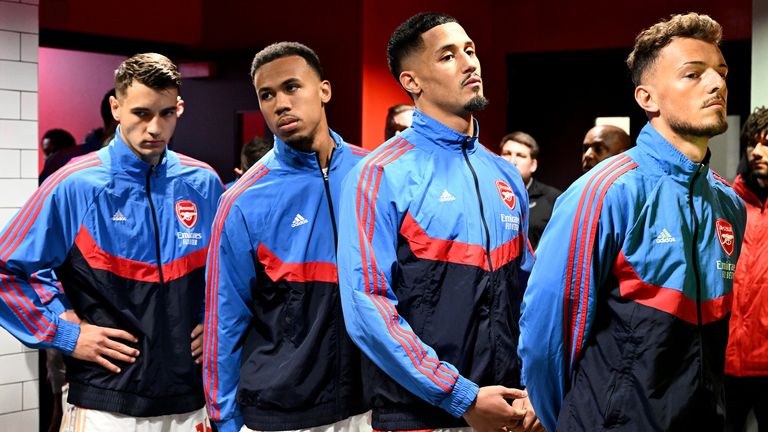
251,152
399,117
746,366
56,140
95,140
522,151
625,319
602,142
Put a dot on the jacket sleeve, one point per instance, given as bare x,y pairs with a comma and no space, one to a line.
369,222
51,293
573,260
230,273
37,238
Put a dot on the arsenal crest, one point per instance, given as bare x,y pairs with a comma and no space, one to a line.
506,194
186,211
725,235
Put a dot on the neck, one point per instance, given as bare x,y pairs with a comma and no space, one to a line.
461,123
323,146
693,147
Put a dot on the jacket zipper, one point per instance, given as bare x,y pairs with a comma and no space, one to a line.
339,317
157,227
694,259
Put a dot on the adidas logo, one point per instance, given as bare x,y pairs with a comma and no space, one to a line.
119,217
446,196
298,221
665,237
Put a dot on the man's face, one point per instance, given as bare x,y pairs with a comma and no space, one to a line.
688,86
757,154
292,98
599,144
147,119
446,72
520,156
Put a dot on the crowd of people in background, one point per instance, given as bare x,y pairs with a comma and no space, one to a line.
429,284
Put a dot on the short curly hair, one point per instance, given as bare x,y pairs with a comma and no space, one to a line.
756,123
286,49
652,40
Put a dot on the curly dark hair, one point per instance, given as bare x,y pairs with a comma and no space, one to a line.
285,49
756,123
652,40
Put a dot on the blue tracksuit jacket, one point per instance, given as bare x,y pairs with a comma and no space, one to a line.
276,353
433,259
625,320
128,242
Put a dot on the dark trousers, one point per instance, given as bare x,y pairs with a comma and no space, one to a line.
743,394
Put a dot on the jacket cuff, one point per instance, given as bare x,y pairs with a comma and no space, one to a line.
230,425
461,397
66,336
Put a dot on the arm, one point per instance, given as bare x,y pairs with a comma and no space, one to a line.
573,260
366,261
230,274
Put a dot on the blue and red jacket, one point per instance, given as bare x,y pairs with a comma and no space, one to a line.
276,353
625,320
433,260
128,242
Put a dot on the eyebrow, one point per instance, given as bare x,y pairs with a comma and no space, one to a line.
291,80
451,45
701,63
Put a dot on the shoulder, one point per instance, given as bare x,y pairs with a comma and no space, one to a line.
83,173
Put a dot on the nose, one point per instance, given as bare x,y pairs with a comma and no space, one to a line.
282,103
154,128
471,65
717,83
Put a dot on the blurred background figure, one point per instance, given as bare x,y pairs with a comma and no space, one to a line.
56,140
251,152
746,366
522,151
95,140
602,142
399,118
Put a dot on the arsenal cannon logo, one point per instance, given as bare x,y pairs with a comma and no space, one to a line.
506,194
186,211
725,235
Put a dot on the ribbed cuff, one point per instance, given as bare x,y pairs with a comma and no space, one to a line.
66,336
461,397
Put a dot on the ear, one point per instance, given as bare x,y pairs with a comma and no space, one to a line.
534,165
179,106
325,91
114,105
644,96
410,83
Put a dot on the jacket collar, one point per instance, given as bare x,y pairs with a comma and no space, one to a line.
307,160
128,161
669,158
442,135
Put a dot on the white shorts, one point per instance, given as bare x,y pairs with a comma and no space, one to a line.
358,423
77,419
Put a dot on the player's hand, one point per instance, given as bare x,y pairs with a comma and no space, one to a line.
531,422
97,344
197,343
491,411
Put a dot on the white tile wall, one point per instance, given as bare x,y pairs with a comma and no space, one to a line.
16,75
28,106
10,104
19,367
9,401
15,192
18,17
10,163
31,395
19,399
10,45
18,134
29,44
29,164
